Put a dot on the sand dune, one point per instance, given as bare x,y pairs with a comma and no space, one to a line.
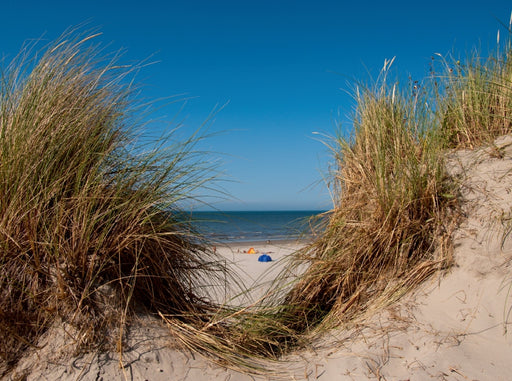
454,327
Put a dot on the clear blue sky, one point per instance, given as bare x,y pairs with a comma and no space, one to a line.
282,66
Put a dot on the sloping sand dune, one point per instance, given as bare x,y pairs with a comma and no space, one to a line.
455,327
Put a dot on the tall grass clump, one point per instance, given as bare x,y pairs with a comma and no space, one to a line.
89,232
476,99
395,206
388,229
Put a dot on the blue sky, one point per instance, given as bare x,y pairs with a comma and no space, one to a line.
279,67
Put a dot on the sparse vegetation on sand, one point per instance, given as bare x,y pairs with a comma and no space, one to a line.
88,226
89,233
475,98
390,226
395,206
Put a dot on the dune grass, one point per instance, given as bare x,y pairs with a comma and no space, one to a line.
395,208
88,226
476,98
394,205
391,221
388,229
91,231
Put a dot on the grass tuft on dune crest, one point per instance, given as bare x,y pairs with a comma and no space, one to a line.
390,225
476,98
90,230
394,205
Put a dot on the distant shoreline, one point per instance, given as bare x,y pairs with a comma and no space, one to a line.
255,226
214,211
274,242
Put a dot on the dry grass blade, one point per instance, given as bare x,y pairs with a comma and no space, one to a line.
222,344
389,215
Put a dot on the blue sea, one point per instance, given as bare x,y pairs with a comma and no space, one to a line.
254,225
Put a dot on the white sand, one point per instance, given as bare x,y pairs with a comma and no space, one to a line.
255,276
454,327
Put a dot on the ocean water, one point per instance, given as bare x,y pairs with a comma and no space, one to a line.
254,225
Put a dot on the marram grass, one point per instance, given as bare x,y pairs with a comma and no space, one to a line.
476,99
394,211
89,232
388,231
394,205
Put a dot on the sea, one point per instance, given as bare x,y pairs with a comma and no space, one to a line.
250,226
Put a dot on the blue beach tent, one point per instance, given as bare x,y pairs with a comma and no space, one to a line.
264,258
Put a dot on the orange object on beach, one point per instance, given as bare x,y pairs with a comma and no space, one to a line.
251,251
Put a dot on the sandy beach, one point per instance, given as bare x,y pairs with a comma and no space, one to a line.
254,275
152,353
453,327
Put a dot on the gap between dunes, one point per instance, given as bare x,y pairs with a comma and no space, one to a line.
453,327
